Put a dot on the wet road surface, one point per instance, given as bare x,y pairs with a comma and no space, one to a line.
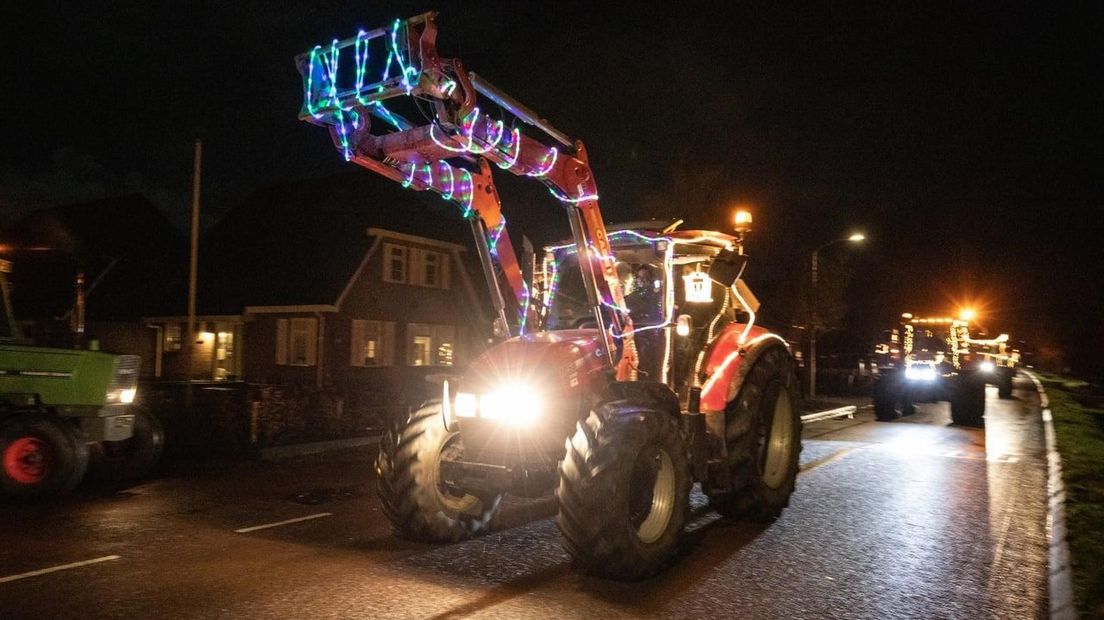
908,519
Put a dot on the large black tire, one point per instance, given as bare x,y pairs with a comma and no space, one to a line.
133,458
413,496
764,441
892,400
40,456
624,491
1004,382
967,395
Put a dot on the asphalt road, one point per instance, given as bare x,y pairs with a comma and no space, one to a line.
908,519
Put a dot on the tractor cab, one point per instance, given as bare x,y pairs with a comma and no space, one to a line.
668,293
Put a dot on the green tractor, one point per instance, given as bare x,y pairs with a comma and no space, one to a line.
66,411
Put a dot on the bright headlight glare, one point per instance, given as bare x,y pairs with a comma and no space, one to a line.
465,405
920,373
515,404
127,396
987,366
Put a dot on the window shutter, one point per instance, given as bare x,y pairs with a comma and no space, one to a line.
387,357
356,343
312,341
281,341
443,265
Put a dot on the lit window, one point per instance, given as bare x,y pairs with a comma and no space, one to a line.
394,263
431,345
420,351
371,343
173,338
446,344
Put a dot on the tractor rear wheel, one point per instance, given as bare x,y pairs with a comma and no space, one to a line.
130,459
624,491
764,441
967,401
413,495
40,456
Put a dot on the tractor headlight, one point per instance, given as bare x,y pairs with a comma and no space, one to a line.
516,404
123,396
987,366
920,373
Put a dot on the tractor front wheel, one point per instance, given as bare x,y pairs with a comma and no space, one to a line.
1004,382
624,491
130,459
764,441
968,401
40,456
413,495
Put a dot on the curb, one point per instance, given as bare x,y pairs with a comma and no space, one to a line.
1058,564
302,449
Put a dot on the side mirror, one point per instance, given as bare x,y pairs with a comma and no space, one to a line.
727,267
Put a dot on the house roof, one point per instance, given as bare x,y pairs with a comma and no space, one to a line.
134,260
299,243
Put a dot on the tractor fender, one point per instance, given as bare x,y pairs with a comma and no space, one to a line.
652,393
728,361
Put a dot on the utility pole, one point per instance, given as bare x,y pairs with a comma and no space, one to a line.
813,329
193,262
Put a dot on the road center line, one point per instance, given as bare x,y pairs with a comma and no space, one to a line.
54,569
835,456
279,523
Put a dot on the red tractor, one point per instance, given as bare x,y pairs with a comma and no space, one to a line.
629,369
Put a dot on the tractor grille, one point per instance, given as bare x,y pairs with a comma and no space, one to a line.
125,376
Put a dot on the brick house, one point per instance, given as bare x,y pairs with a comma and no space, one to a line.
345,284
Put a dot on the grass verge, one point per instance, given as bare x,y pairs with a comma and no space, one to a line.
1079,431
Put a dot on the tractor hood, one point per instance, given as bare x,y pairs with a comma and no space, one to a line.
567,359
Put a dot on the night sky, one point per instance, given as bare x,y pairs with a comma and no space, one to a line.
964,140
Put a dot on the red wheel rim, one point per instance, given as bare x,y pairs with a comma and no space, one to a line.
27,460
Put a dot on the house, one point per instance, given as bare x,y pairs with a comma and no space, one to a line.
344,283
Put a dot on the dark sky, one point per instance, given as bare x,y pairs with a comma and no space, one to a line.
965,139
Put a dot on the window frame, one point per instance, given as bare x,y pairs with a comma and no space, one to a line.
287,331
383,334
393,252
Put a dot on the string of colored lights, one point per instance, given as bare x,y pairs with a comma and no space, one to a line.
669,309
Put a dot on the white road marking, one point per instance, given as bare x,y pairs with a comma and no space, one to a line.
54,569
279,523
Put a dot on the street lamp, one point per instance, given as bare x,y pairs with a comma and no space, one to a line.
852,238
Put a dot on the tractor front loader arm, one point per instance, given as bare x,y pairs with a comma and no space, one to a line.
448,153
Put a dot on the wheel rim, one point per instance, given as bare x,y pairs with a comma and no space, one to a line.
455,501
653,499
27,460
779,442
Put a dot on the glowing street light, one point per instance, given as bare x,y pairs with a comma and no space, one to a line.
856,237
967,314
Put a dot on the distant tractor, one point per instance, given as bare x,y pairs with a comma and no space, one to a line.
999,361
61,409
928,359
